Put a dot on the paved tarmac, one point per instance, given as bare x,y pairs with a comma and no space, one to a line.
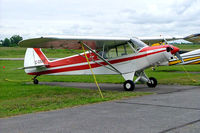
175,109
160,89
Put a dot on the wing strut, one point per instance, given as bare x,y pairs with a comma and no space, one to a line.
100,57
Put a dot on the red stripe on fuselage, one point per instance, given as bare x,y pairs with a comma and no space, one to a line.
154,48
84,67
66,61
41,55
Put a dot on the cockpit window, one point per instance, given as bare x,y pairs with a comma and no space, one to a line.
130,47
117,51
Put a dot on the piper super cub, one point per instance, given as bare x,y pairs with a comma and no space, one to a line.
128,57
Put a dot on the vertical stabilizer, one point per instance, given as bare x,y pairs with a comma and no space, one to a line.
34,57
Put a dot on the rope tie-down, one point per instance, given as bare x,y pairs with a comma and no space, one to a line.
92,71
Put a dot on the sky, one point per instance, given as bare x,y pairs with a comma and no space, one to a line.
124,18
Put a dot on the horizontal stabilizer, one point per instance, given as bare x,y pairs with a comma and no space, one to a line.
29,67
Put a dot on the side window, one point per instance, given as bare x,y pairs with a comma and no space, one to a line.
119,50
111,53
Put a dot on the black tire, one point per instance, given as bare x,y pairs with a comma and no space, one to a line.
35,81
129,85
153,82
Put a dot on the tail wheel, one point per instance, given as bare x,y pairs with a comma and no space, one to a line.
129,85
152,82
35,81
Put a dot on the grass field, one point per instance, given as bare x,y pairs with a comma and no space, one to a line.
18,97
188,47
18,52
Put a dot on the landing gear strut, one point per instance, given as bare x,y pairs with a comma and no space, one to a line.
35,81
129,85
152,82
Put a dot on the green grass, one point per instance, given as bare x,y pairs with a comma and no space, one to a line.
18,97
18,52
189,68
188,47
12,52
178,74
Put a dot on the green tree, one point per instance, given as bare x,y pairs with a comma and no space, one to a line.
6,42
1,43
15,39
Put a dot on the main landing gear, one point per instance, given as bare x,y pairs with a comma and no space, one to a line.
129,85
35,81
152,82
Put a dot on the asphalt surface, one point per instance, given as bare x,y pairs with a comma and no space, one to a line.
175,109
160,89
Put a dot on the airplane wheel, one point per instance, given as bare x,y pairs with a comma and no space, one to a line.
129,85
35,81
153,82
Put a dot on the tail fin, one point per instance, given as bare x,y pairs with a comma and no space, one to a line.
34,57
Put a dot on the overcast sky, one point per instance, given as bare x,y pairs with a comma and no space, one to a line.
34,18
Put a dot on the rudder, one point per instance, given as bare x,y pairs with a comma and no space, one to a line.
34,57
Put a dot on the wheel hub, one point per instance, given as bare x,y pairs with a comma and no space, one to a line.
128,85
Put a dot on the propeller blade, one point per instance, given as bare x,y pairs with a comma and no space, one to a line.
179,57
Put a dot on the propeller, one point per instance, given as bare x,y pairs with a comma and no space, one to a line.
179,57
175,51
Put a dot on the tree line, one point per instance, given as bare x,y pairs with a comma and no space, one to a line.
11,42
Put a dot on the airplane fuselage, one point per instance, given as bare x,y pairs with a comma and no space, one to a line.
78,65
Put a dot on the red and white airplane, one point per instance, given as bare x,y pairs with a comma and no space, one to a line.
128,57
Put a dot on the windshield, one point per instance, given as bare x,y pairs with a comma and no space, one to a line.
137,44
123,49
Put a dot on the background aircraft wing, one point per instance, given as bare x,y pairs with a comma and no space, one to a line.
195,38
72,42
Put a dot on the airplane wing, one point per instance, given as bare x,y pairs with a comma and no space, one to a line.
153,40
195,38
95,43
72,42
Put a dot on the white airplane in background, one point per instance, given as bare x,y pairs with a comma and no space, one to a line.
128,57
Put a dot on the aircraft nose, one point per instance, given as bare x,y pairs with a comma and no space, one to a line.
174,49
